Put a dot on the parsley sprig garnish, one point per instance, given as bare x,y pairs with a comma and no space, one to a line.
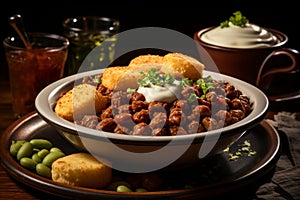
237,19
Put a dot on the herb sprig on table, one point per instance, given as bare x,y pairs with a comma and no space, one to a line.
237,19
244,149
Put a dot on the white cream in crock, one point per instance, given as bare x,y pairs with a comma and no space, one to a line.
250,36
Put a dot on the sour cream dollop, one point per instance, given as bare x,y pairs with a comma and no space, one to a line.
167,93
249,36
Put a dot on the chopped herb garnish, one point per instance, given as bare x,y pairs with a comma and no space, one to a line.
245,149
97,80
247,143
237,19
155,78
227,149
205,84
185,82
233,157
192,98
130,90
168,79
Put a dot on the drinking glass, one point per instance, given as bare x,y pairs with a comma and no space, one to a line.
85,33
31,69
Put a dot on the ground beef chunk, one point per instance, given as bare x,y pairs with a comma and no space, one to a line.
142,129
107,124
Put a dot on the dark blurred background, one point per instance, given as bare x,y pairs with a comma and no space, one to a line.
186,16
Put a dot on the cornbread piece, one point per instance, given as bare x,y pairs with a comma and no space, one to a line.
179,65
81,169
112,75
83,99
146,59
122,78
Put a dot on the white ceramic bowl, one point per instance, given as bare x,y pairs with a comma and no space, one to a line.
149,153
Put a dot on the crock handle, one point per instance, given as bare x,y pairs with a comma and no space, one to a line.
266,72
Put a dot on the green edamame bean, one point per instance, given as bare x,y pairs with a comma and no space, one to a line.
43,170
15,146
141,190
123,188
42,153
25,150
36,158
114,185
55,149
28,163
35,150
41,143
51,157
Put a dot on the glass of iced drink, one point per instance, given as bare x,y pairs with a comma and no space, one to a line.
31,69
85,33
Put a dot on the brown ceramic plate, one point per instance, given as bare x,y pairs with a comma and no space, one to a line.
214,177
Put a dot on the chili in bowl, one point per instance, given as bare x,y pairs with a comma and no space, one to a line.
132,123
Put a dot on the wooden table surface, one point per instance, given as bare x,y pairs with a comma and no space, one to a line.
13,189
